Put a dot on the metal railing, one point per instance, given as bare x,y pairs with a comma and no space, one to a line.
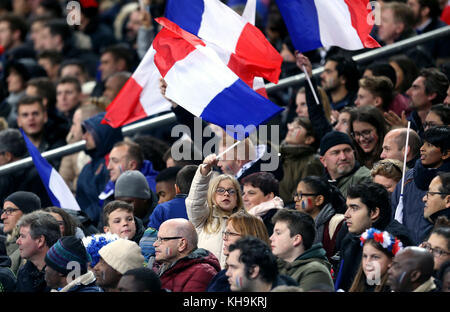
283,83
366,56
81,145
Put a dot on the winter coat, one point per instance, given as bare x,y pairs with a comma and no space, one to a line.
299,161
140,229
95,175
328,224
198,211
7,277
350,252
191,273
266,211
359,174
428,286
264,160
174,208
146,243
416,185
310,269
83,283
30,279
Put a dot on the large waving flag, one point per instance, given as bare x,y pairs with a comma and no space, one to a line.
57,189
241,45
323,23
198,80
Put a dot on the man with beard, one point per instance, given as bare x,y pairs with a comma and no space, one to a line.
340,80
337,155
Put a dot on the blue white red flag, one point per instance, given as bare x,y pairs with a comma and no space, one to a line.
56,187
324,23
199,81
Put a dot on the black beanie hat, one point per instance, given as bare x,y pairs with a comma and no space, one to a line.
25,201
67,249
334,138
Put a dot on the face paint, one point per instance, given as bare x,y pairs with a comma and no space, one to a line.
401,277
120,169
168,251
238,282
307,204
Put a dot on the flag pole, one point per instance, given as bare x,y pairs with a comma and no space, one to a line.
310,85
399,210
228,149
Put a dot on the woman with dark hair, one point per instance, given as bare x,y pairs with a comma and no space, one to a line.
438,243
406,72
325,204
67,224
439,115
379,248
368,128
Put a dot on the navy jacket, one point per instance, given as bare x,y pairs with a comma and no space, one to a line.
95,175
416,185
175,208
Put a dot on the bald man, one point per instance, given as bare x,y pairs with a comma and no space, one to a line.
182,266
394,146
411,271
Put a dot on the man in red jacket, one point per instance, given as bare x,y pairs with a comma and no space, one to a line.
182,266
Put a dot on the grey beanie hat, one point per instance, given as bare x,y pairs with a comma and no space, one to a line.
132,183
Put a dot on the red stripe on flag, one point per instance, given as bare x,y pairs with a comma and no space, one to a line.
263,92
125,107
172,44
359,12
255,56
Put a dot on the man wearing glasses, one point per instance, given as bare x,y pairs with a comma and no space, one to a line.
14,207
183,266
437,198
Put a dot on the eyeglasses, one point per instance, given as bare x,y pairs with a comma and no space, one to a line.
437,252
435,193
227,234
8,211
365,134
221,191
163,239
298,196
429,124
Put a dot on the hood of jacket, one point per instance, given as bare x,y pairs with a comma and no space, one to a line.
423,176
263,208
149,173
104,135
295,151
315,253
197,256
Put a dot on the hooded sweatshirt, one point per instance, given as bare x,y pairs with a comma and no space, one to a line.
95,175
310,269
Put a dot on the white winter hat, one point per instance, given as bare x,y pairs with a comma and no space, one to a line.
122,255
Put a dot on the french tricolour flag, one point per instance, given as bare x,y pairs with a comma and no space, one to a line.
198,80
241,45
57,189
324,23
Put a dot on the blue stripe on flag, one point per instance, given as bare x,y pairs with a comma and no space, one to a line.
302,22
42,166
186,13
239,105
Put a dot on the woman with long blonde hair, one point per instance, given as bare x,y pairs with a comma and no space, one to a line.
211,201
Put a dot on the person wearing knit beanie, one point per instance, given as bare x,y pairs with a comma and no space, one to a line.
337,155
67,266
116,258
15,206
132,183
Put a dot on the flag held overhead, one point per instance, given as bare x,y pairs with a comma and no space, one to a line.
201,83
